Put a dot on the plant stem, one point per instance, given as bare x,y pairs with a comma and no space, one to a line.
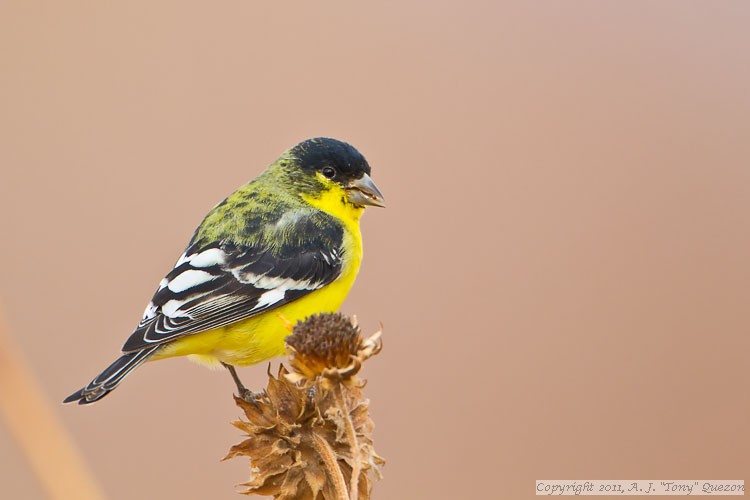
332,466
353,444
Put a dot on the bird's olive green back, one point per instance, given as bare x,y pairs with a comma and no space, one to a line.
268,212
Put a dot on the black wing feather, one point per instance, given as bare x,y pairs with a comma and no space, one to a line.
242,282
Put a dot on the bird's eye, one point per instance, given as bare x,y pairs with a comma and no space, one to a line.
329,172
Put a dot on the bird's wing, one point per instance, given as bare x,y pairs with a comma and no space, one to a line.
218,284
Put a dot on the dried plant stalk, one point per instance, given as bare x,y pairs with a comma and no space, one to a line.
310,434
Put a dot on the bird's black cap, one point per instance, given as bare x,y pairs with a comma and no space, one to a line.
315,154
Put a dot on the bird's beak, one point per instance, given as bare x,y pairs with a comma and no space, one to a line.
363,191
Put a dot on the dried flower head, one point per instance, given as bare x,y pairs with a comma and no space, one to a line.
330,345
309,435
323,341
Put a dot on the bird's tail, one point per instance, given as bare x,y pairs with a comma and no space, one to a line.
110,378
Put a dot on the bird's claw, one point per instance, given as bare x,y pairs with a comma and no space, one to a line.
252,397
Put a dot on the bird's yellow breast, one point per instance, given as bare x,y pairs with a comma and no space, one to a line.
261,337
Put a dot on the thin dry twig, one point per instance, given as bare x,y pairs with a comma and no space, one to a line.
57,464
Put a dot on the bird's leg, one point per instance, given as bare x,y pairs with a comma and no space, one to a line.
244,392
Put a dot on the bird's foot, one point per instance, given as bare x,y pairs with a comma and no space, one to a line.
250,396
243,392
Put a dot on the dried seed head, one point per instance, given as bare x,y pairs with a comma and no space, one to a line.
310,436
297,446
324,342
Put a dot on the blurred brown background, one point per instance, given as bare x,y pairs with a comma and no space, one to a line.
562,269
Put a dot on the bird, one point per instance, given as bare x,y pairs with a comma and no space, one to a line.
279,249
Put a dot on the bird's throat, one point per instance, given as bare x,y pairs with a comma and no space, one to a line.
334,201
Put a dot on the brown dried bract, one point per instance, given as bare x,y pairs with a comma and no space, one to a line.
310,435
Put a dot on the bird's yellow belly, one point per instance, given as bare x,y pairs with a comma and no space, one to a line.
255,339
262,337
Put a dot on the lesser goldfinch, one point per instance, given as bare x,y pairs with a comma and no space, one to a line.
282,247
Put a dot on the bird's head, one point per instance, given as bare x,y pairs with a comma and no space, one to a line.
327,167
